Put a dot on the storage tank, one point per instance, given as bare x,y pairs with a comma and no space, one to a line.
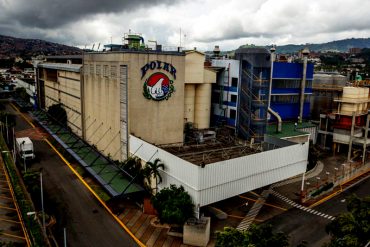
203,105
352,94
189,102
365,97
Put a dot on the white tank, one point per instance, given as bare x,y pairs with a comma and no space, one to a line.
366,97
189,102
203,105
351,94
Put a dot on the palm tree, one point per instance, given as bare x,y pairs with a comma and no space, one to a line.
132,166
151,169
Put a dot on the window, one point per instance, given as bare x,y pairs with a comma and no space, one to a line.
234,82
98,70
91,69
232,114
216,97
113,71
233,98
105,70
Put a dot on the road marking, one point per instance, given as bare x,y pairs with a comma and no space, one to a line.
15,202
324,199
301,207
24,117
84,183
12,221
94,193
267,204
13,236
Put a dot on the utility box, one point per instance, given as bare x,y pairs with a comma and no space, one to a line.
197,231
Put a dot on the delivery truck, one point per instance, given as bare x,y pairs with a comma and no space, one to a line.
25,148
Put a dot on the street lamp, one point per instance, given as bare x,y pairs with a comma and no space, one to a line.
318,179
42,204
327,175
24,157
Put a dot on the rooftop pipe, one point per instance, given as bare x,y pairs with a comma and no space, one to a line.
305,53
279,125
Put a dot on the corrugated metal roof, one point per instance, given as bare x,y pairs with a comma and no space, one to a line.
61,66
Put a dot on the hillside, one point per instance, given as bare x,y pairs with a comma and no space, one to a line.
339,45
11,47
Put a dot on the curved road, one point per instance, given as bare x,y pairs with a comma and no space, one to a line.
300,225
87,222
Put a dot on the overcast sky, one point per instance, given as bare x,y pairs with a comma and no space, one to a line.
203,23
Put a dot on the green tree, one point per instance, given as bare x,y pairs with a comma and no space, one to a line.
174,205
132,165
231,237
58,113
22,93
151,169
256,236
353,227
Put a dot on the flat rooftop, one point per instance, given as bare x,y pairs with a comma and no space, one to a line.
289,129
223,147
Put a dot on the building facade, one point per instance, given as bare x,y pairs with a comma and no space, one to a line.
138,102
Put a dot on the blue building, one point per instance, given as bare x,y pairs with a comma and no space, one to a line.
254,74
240,96
286,89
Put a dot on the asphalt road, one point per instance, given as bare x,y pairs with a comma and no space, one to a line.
87,222
300,225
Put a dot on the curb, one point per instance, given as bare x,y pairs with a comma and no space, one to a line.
84,183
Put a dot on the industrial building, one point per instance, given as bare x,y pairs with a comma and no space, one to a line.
348,124
253,90
157,104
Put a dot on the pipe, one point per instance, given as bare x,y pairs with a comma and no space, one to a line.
272,50
305,53
280,121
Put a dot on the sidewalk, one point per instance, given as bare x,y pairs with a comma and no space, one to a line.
333,169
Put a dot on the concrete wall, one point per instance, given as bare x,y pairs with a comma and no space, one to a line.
198,90
194,68
65,89
158,122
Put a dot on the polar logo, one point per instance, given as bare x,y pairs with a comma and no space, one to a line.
158,87
156,90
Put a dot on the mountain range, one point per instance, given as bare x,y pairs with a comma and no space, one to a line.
11,47
338,45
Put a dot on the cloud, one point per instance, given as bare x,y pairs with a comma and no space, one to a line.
56,13
203,23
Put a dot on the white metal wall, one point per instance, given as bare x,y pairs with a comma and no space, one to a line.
228,178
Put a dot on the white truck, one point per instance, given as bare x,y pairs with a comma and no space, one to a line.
25,148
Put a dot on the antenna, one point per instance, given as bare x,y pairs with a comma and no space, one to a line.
180,36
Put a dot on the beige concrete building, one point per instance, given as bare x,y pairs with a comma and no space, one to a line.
141,93
62,83
198,90
130,92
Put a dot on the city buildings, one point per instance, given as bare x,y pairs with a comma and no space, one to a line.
157,104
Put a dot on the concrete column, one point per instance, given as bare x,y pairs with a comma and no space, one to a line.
365,137
272,51
203,105
189,102
351,136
